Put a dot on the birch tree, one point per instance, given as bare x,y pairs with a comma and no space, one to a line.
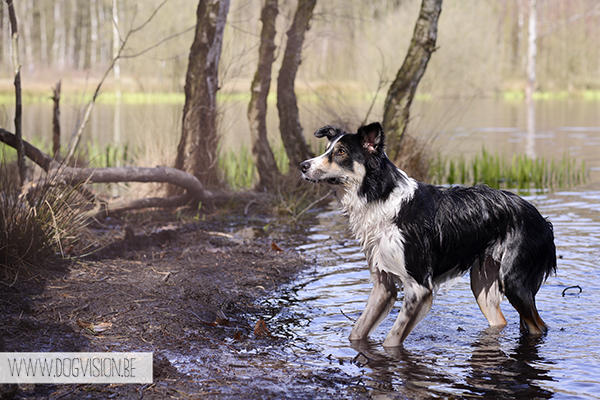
289,117
197,149
402,90
257,109
93,32
531,50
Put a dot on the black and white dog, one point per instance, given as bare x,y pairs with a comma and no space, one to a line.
418,236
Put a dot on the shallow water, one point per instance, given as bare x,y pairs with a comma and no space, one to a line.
453,351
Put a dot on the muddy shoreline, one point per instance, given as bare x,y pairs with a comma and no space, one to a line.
181,290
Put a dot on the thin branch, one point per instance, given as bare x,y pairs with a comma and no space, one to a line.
91,104
311,205
150,18
159,43
594,10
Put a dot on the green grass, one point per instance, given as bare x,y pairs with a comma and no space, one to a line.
109,155
556,95
238,168
239,171
139,98
110,97
93,155
517,172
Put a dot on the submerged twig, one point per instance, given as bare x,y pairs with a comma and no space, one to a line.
344,314
572,287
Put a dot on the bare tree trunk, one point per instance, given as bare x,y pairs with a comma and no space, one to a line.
18,104
5,33
116,72
402,91
82,48
43,37
115,48
56,121
93,32
71,37
257,109
520,24
289,118
530,86
102,28
2,37
531,51
59,42
27,13
197,149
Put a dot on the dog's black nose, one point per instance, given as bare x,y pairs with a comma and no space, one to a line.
304,167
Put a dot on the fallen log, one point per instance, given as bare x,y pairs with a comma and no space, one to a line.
160,174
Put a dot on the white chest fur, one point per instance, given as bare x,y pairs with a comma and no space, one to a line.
373,225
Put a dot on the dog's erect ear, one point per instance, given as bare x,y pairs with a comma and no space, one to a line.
371,136
329,131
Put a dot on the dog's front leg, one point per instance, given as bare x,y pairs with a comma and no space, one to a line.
415,306
380,302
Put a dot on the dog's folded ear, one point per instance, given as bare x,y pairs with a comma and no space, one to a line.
328,131
372,137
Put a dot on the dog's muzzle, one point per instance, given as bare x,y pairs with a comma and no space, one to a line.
304,167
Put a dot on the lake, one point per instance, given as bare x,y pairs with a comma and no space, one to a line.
453,126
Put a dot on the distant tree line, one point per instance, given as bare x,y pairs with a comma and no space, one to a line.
482,48
69,34
198,147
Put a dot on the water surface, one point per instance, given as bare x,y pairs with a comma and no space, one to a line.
453,351
457,126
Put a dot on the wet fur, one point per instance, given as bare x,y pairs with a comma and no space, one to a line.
418,236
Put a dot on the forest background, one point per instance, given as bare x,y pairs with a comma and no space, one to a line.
351,45
352,49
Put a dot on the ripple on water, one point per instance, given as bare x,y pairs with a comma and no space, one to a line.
453,351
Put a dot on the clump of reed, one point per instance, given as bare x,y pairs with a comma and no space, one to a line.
37,223
238,168
519,172
109,155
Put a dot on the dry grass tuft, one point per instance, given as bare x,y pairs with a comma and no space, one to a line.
36,224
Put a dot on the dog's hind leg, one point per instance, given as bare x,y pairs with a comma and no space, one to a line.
523,300
417,303
485,284
380,302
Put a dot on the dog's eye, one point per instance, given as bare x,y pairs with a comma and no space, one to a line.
341,152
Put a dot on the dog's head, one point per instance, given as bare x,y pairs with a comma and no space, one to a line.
347,156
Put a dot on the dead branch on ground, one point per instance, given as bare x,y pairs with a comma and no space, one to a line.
195,191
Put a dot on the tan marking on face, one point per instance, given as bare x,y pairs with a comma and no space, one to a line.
326,167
